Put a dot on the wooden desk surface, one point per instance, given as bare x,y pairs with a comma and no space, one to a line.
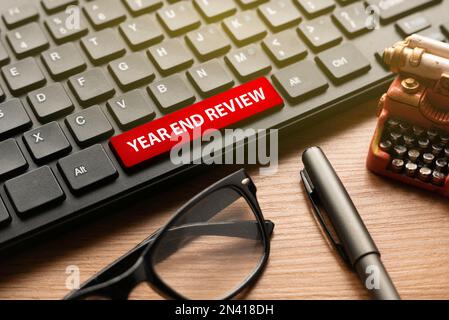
410,227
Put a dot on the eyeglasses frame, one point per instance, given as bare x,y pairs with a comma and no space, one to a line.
120,287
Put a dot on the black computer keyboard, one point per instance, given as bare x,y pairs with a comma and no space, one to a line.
67,88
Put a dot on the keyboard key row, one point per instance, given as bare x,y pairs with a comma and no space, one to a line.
134,70
105,46
130,72
207,43
40,188
181,17
45,143
49,142
93,87
303,79
177,18
143,31
14,119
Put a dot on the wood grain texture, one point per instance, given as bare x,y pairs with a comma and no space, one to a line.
410,227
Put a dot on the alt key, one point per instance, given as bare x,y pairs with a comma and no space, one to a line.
87,169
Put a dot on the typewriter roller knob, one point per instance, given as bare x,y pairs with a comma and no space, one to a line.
410,85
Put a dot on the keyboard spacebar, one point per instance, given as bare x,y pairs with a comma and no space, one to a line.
390,10
223,110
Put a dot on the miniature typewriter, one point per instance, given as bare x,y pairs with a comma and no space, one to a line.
411,141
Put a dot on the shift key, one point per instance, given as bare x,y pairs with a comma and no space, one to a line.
87,169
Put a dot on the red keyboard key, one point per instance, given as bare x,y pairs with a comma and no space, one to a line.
160,136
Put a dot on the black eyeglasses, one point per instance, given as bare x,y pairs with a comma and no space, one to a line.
214,247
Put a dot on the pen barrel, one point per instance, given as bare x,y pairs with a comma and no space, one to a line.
338,205
375,278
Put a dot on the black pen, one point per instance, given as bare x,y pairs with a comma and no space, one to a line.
354,242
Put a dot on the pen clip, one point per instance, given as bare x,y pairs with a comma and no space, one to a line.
314,200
